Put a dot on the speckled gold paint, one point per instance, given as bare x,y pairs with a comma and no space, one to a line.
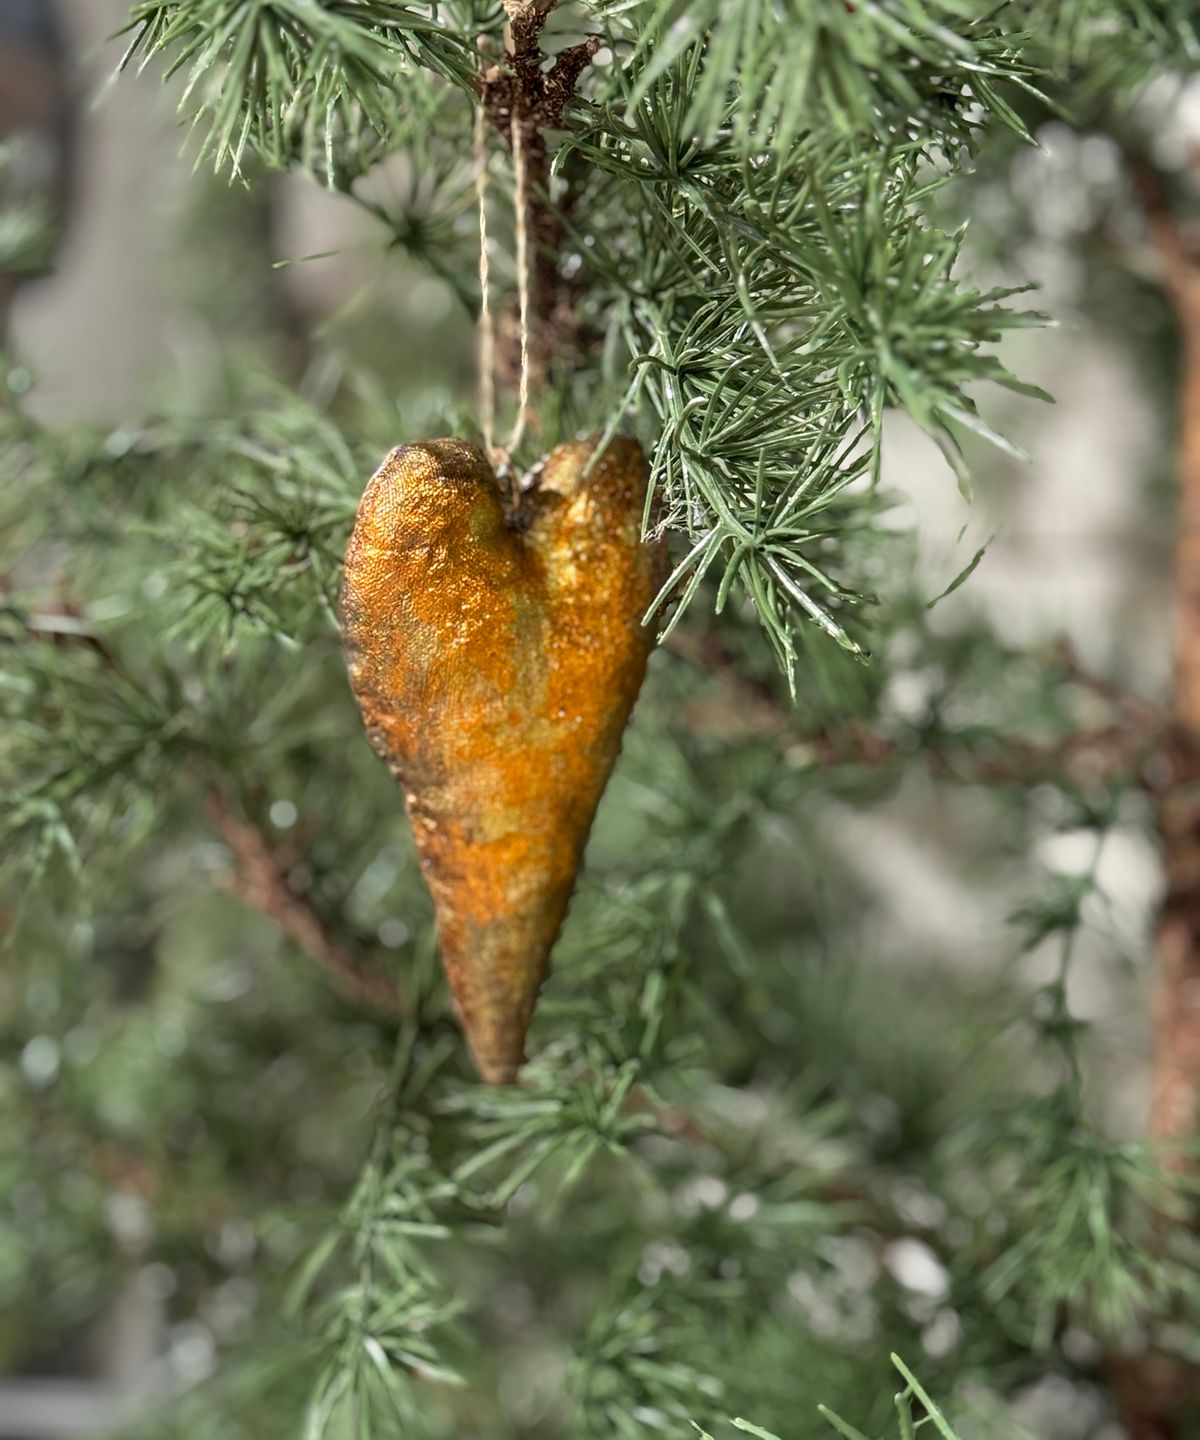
496,660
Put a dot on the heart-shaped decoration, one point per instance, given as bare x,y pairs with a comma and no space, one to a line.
496,657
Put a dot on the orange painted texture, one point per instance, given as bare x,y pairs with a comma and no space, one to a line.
496,659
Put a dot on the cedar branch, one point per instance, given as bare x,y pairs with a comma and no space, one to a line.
260,874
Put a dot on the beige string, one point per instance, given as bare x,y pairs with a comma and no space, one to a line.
500,456
521,201
487,328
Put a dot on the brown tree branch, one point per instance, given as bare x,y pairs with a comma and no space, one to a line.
1125,748
260,878
260,874
1175,1104
520,92
1154,1389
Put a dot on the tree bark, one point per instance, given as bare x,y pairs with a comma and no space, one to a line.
520,92
1175,1101
1155,1390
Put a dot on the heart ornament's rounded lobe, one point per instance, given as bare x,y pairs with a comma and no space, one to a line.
496,659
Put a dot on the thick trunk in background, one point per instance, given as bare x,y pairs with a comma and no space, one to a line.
1157,1391
1175,1103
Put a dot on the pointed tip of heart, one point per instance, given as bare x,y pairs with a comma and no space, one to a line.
498,1050
497,1072
495,1018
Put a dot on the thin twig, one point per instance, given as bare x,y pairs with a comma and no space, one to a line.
522,98
1122,749
260,873
260,877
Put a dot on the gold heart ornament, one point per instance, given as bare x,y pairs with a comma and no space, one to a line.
496,654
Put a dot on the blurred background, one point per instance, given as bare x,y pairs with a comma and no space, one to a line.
158,274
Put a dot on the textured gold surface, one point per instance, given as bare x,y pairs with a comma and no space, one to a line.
496,661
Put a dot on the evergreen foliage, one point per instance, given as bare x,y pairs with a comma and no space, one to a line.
741,1172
